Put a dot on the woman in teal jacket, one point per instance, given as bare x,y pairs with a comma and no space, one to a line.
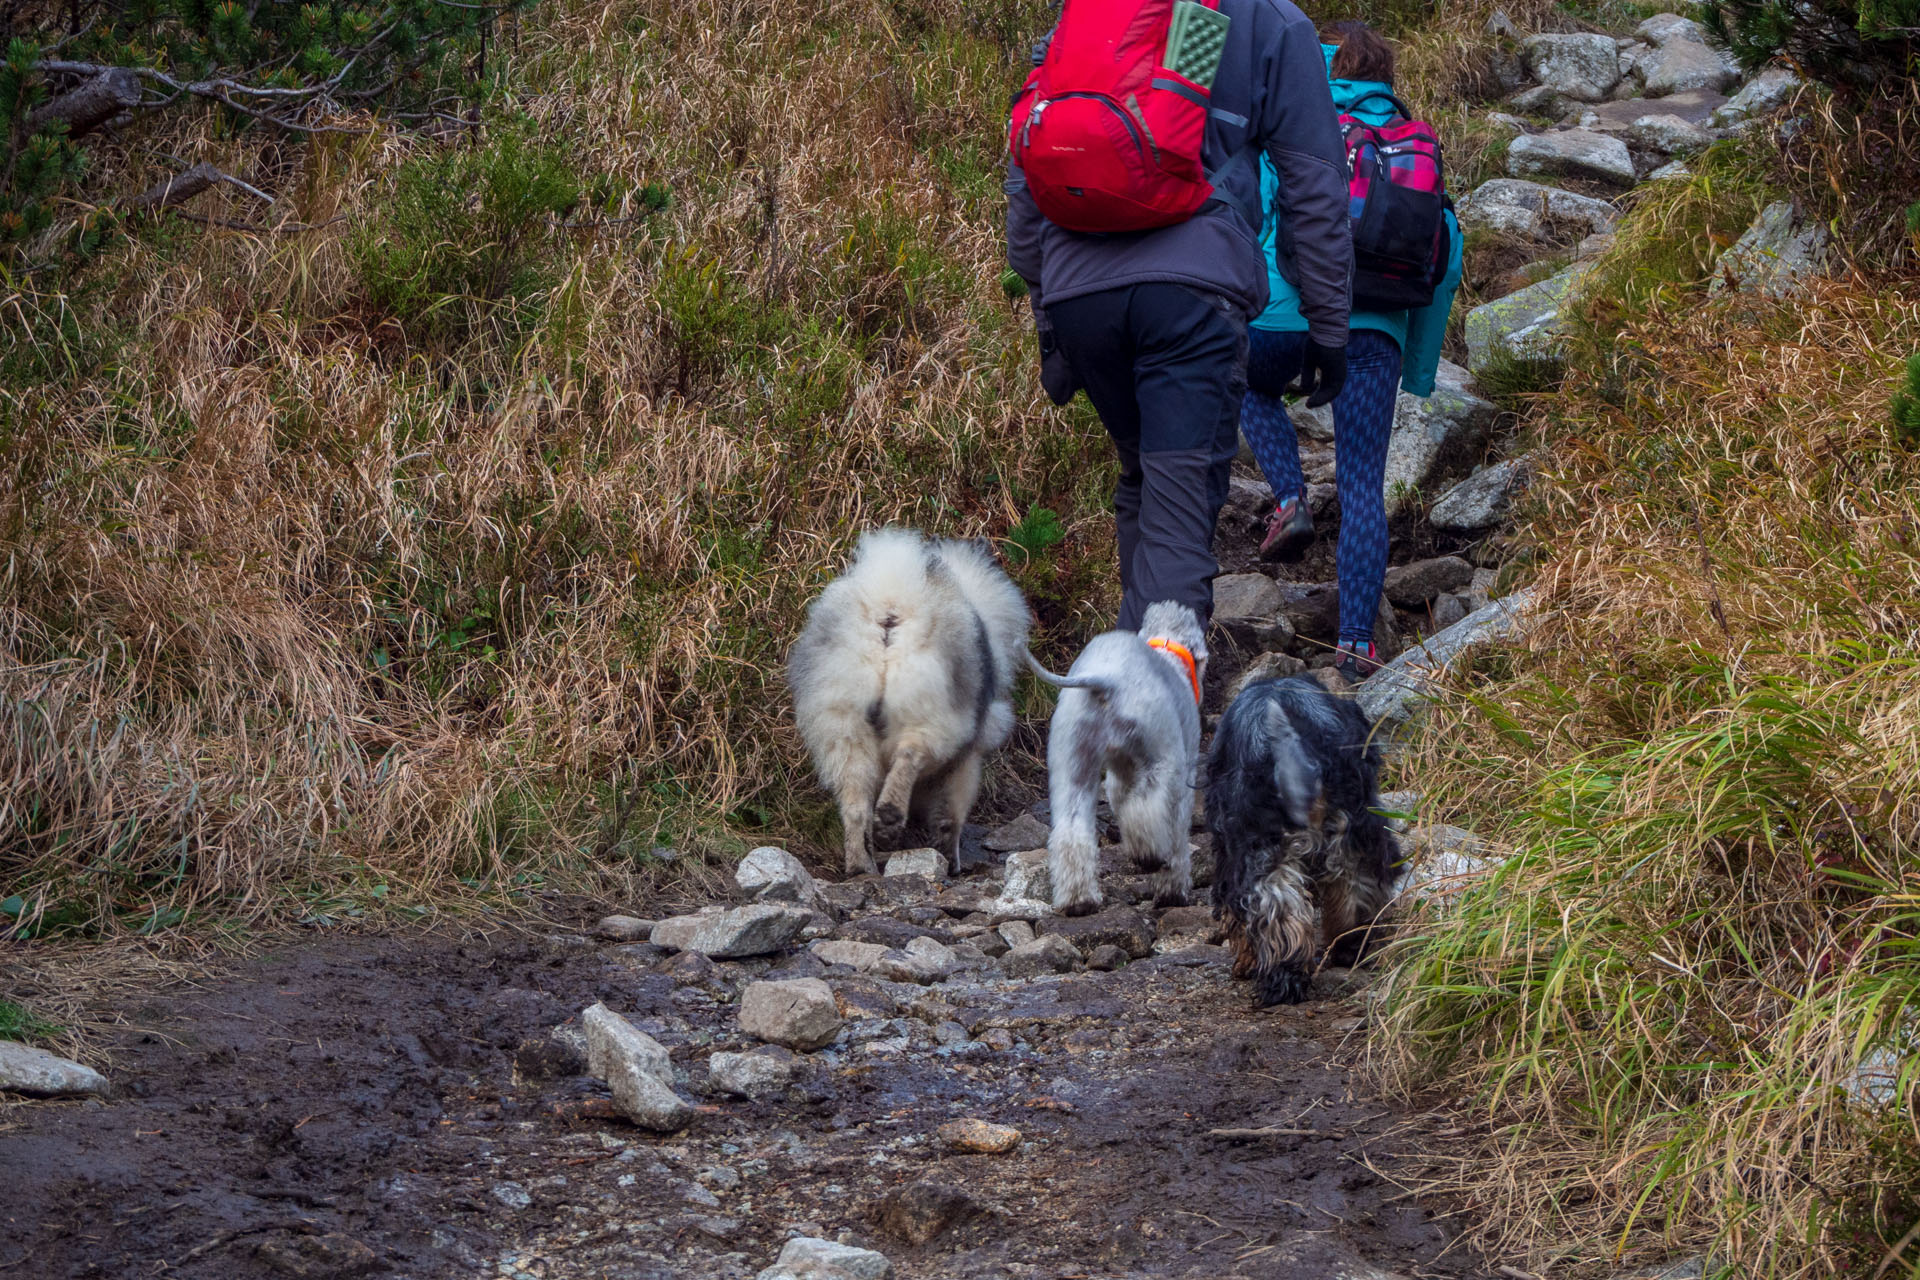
1386,352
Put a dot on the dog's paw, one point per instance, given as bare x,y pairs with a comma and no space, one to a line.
1168,896
1285,986
1147,861
861,866
889,825
1082,908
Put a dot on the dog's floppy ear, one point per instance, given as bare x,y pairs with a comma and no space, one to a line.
1297,777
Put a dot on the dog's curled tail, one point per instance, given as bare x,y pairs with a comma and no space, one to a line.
1098,686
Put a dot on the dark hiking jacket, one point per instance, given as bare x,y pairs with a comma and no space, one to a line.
1269,97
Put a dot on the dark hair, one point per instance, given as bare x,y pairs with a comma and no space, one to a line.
1364,53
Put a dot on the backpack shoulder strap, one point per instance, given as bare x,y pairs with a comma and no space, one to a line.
1398,105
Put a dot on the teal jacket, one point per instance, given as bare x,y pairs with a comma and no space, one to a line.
1419,332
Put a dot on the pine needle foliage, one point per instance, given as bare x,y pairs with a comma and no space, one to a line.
292,68
1906,403
1839,42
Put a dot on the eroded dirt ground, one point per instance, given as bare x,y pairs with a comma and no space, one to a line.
396,1105
399,1106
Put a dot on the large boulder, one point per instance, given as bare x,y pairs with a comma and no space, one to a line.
920,1211
1584,67
768,1069
1681,66
1480,501
1443,860
755,930
1668,135
799,1013
771,874
1121,927
1027,877
1533,211
1050,953
810,1258
1393,695
1411,585
861,956
1024,832
1539,100
1776,256
1429,432
1572,153
1664,28
921,961
930,864
1526,325
1247,607
1761,96
1312,608
636,1069
25,1069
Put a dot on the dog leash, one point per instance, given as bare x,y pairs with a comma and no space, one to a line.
1185,655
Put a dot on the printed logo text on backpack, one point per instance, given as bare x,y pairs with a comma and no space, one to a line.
1107,131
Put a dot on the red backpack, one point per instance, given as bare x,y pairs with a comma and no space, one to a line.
1109,139
1396,201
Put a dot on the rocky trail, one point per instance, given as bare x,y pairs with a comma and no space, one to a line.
895,1075
937,1072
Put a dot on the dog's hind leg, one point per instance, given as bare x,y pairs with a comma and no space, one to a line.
1073,844
1282,928
960,787
910,760
858,782
1152,834
1353,904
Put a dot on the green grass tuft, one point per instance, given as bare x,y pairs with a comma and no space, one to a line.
17,1022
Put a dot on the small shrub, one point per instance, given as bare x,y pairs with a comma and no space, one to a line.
1838,42
468,232
1039,532
1906,404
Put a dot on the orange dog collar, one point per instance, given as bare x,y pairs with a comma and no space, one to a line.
1185,655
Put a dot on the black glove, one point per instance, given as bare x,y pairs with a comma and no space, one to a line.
1323,371
1056,375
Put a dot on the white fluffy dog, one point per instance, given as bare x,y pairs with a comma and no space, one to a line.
1130,713
902,684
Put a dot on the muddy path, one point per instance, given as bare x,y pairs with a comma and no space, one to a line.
398,1105
418,1105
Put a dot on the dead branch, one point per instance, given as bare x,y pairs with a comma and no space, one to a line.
92,104
185,186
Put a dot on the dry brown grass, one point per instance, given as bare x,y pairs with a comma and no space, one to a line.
301,606
1654,1015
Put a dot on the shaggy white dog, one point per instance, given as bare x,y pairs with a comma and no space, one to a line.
902,684
1130,713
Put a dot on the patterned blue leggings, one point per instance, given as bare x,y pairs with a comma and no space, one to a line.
1362,424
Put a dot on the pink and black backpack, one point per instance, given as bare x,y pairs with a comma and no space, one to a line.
1397,201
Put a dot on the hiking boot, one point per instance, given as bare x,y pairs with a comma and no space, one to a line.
1357,659
1289,530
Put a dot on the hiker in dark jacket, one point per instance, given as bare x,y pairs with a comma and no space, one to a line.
1153,324
1389,351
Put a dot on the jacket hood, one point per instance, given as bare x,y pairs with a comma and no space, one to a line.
1351,97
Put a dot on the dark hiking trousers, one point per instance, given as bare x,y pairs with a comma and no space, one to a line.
1165,365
